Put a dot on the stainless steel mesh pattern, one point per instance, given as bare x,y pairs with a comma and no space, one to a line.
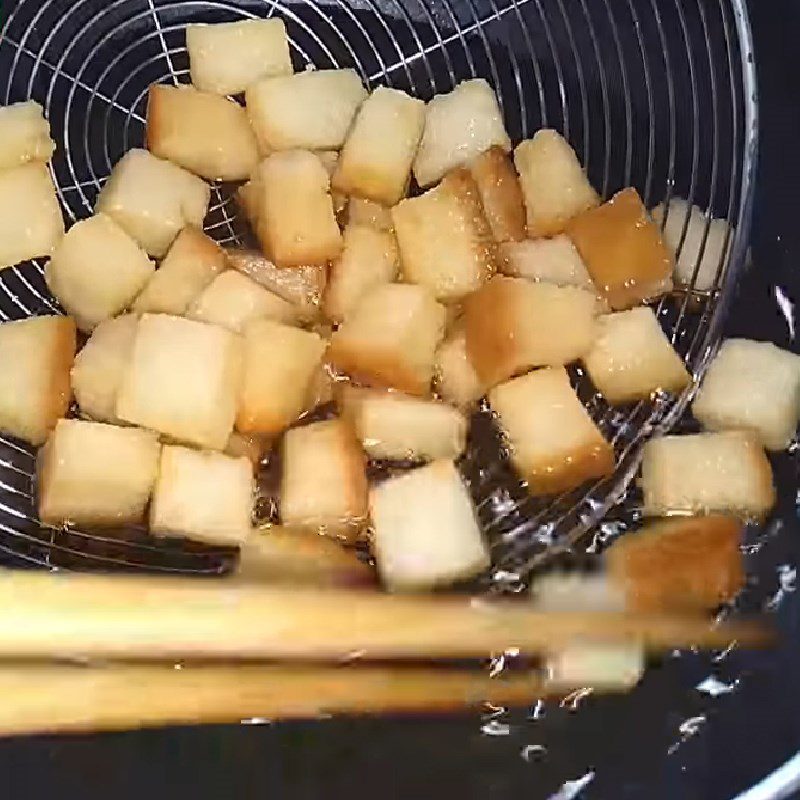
659,94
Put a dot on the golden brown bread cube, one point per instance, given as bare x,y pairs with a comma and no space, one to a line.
512,325
100,365
323,481
182,380
554,443
459,125
24,135
390,339
193,261
426,532
501,194
679,565
456,380
554,185
204,496
36,355
311,110
376,158
548,260
623,251
393,426
227,57
153,199
368,259
365,212
278,364
31,224
202,132
296,210
444,238
97,270
96,474
725,473
631,358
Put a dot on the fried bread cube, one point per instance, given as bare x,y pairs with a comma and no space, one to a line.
553,182
300,226
365,212
607,666
204,133
378,152
323,482
369,258
31,224
456,379
426,532
182,380
512,325
548,260
724,473
193,261
204,496
678,565
752,386
100,365
97,270
444,238
227,57
459,125
248,199
24,135
577,592
501,194
96,474
631,358
153,199
623,251
390,339
36,354
310,110
554,443
278,365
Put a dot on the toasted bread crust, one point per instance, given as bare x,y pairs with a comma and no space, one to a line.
501,194
553,476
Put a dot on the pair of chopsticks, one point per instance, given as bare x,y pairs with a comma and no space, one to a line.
150,623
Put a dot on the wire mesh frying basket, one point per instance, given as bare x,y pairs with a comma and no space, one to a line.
656,94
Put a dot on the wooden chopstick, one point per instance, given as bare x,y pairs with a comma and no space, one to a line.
66,615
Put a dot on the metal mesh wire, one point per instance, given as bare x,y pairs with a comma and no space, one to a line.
658,94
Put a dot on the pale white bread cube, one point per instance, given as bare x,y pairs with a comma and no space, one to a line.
396,427
444,238
278,364
752,386
576,592
202,132
553,182
153,199
725,472
456,380
631,358
719,235
96,474
24,135
547,260
364,212
299,224
227,57
97,270
231,300
36,355
512,325
253,447
31,224
426,532
376,158
323,480
459,125
501,194
182,380
554,443
193,261
204,496
599,665
100,365
311,110
390,339
368,259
